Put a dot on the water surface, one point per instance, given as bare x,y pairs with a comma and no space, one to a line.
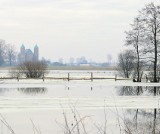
132,107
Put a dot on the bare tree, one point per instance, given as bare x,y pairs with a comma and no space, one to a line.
150,15
2,51
33,69
135,38
11,54
126,63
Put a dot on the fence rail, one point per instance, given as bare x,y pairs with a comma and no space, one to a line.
64,75
69,76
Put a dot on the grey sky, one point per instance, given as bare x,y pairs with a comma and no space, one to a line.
69,28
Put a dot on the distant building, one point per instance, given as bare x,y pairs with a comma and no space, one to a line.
28,55
84,65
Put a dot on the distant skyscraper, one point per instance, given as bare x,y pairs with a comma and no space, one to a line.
28,55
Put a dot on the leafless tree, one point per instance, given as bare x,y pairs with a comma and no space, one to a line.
2,51
33,69
135,39
11,54
126,63
150,16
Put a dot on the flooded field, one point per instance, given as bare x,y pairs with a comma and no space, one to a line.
33,106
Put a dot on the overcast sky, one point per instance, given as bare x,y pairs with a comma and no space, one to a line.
69,28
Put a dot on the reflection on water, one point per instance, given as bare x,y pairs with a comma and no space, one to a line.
135,121
69,91
3,90
138,90
154,91
129,91
33,91
140,121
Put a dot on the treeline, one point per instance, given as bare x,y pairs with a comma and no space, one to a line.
143,45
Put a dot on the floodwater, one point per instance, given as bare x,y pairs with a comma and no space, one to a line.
78,106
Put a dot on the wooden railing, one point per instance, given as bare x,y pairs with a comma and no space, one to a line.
69,77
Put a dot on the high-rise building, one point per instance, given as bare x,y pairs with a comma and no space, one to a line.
28,55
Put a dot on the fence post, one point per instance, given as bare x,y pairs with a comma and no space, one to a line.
115,77
68,77
43,78
146,78
91,76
